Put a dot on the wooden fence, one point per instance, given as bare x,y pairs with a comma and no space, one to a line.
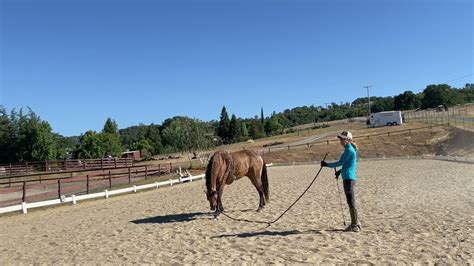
61,166
37,187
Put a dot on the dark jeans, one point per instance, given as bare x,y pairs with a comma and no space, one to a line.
349,185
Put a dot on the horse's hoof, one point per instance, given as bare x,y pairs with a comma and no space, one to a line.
259,209
216,218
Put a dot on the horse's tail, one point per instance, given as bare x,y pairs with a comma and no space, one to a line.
264,178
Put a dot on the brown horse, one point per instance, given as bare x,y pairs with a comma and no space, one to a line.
224,168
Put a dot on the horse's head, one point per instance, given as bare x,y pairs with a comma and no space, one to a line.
212,198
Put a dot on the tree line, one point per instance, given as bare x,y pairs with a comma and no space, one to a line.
25,137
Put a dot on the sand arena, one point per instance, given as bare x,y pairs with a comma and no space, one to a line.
411,211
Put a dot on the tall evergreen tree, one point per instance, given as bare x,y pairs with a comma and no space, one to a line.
223,127
234,129
110,126
110,139
244,133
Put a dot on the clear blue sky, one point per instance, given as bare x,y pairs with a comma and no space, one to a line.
75,63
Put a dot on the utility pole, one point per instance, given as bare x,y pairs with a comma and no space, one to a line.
368,98
327,114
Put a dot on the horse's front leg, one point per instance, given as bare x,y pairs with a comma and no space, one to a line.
220,207
261,205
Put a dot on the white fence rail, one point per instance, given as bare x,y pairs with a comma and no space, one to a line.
104,194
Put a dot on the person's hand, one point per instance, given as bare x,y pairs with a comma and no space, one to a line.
337,173
324,163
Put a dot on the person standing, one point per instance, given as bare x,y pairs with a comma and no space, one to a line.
348,161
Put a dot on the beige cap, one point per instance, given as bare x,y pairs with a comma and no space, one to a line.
345,135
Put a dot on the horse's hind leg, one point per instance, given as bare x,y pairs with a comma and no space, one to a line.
258,185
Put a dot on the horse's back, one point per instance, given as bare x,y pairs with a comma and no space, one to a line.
246,161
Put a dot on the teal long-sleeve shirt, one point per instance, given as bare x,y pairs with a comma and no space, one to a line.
348,161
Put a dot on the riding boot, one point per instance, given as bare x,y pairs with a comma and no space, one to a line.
354,226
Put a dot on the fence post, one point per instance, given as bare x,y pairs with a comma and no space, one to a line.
288,147
23,198
101,163
110,180
146,171
463,123
129,176
171,167
59,188
115,162
26,164
159,169
87,185
23,207
40,178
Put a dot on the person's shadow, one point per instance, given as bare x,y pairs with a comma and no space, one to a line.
173,218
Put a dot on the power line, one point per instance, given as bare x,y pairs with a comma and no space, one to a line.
460,78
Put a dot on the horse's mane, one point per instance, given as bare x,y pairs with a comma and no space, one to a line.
209,175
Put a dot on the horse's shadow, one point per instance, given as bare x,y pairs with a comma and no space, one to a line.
181,217
173,218
269,233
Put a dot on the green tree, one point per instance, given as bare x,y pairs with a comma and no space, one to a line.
244,133
186,134
89,147
44,146
234,129
144,147
65,146
110,139
132,134
406,101
468,92
153,137
223,128
110,126
441,94
382,104
35,139
8,136
273,126
255,129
